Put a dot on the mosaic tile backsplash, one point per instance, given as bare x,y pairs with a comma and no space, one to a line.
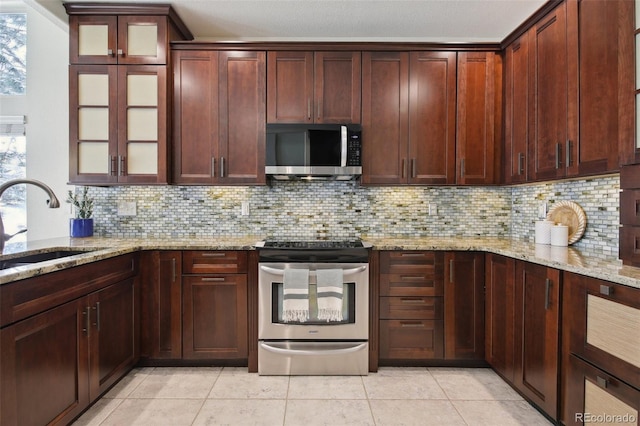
347,210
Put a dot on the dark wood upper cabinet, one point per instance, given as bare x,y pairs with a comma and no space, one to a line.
219,117
571,77
606,85
432,118
408,117
385,118
516,102
313,87
552,105
478,85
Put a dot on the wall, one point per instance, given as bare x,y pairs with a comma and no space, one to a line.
344,209
47,123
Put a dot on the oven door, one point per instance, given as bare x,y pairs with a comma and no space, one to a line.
353,326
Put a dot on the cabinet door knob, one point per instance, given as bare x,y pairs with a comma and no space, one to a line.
120,52
110,52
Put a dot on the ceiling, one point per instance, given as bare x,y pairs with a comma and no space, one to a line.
446,21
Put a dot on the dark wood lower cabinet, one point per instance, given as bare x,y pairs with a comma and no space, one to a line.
45,367
214,317
537,317
56,363
598,397
499,314
419,340
464,306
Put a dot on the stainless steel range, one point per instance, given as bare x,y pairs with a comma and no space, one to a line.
313,308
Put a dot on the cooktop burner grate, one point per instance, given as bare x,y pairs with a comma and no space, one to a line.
313,245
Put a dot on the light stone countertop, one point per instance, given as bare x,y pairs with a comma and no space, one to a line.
598,265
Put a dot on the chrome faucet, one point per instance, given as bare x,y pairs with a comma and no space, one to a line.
53,204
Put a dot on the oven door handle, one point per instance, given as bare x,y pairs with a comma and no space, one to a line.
313,351
276,271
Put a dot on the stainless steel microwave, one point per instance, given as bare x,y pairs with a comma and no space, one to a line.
313,151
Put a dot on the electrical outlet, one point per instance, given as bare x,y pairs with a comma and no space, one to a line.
245,208
127,208
542,210
433,209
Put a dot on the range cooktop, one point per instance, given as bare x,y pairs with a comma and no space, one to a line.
313,245
325,251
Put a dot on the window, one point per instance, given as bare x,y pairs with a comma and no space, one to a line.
13,53
13,86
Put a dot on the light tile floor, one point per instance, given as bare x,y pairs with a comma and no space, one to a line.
231,396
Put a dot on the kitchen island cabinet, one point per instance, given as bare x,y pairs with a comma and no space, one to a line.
313,87
57,361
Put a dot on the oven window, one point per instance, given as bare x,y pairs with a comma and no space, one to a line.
348,305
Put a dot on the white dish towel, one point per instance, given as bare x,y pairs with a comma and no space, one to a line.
329,285
295,295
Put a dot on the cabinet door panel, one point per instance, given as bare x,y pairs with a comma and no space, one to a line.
499,314
215,317
517,109
195,123
142,40
290,87
242,116
142,124
93,117
112,334
92,39
44,367
464,306
337,87
475,119
536,334
432,106
385,117
549,98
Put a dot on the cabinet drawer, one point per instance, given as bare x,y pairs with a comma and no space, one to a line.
605,319
214,262
411,284
411,339
398,262
410,307
593,395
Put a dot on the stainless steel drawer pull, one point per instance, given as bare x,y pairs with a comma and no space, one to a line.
173,270
602,382
558,154
606,290
214,279
520,163
97,309
451,273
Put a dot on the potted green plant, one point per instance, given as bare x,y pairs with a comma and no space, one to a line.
82,224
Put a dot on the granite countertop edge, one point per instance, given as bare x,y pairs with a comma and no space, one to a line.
601,265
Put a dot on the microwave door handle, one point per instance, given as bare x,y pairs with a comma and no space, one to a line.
277,271
344,135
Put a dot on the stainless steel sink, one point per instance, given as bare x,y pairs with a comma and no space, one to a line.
30,259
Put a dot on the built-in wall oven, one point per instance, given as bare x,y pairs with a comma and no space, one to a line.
313,315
